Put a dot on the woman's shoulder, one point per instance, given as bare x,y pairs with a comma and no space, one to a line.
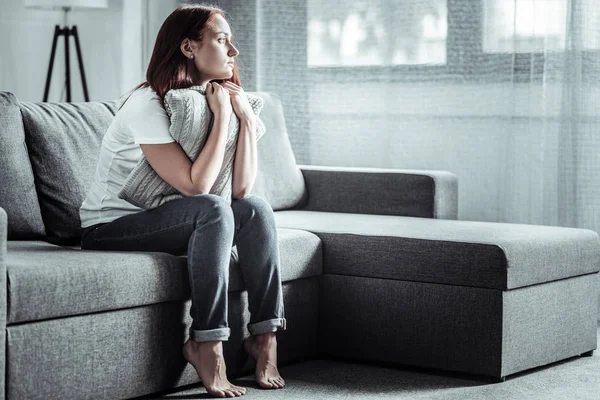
143,116
140,101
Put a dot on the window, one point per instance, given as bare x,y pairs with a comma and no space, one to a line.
382,32
445,40
524,26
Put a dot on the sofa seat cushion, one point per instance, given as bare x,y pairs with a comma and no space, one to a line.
48,281
479,254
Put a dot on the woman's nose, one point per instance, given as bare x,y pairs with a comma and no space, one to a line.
233,51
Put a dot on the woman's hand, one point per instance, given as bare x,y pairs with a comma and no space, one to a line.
218,100
239,100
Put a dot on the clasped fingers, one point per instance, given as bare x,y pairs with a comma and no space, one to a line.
218,98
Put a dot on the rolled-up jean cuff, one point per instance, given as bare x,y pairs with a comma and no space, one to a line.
270,325
210,335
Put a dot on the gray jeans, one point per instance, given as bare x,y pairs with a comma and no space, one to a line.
206,227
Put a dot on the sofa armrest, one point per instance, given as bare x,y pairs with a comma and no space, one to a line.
3,299
411,193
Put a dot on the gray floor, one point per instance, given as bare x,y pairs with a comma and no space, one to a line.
572,379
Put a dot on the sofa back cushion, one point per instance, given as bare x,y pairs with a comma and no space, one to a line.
278,180
17,190
64,142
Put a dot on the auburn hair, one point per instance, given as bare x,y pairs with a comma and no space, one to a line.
169,68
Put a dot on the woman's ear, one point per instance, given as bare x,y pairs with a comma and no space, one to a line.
186,48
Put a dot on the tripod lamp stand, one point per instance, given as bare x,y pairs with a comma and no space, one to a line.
66,32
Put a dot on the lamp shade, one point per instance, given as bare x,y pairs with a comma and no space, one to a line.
60,4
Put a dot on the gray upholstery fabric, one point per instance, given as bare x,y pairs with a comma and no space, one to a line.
63,141
449,327
3,298
278,179
48,281
137,351
17,189
482,254
457,328
547,323
411,193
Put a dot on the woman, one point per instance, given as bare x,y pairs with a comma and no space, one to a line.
194,47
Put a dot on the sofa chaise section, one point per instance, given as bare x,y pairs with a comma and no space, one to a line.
477,297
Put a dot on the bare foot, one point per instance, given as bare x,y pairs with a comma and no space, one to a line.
207,359
263,348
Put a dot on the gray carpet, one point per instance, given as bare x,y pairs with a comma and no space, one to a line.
573,379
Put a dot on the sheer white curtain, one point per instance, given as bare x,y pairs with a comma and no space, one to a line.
504,93
552,156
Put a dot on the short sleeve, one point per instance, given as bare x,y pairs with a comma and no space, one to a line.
145,119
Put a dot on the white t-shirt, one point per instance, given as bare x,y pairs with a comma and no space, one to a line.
141,120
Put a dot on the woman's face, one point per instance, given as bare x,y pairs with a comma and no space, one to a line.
214,57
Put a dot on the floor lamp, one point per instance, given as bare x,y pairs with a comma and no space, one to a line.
66,32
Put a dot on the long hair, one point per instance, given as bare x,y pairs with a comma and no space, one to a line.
169,68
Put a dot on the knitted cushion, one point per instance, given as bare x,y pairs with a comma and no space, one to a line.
191,122
64,141
17,190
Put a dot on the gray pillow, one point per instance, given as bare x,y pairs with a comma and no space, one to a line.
17,190
191,122
64,141
278,179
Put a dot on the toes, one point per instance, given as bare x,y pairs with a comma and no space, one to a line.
276,383
216,392
266,384
232,391
241,389
238,391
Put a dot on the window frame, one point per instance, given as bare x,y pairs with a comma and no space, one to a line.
465,59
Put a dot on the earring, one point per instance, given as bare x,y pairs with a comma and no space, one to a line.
192,57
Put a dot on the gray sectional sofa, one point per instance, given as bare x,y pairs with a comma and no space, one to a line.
374,263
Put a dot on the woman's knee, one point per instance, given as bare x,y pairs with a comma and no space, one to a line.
253,203
211,207
254,207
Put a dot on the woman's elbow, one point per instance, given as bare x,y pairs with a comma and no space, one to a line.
240,194
195,191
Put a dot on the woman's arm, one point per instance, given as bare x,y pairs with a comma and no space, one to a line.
172,164
244,167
